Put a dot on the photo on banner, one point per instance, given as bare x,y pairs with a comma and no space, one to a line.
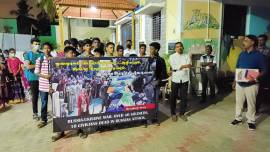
102,91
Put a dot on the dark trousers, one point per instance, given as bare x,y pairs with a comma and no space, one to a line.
44,105
263,94
183,96
34,94
208,76
21,89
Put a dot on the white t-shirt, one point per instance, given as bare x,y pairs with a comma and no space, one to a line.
176,60
128,52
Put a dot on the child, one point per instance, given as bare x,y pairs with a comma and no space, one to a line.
3,87
120,51
42,69
14,67
86,48
99,52
25,82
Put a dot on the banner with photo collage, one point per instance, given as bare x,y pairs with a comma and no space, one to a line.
105,91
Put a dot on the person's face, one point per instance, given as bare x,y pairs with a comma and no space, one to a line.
97,54
46,50
179,48
120,53
95,44
35,46
12,54
70,54
208,50
128,43
110,49
261,41
87,47
142,50
247,43
153,51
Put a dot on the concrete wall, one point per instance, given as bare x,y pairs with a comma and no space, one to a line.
81,29
258,21
173,21
11,23
145,27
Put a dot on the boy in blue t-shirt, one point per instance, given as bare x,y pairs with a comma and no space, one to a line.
30,62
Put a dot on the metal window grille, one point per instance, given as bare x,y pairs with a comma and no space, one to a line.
156,26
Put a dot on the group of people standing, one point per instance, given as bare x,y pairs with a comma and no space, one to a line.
36,69
12,79
255,55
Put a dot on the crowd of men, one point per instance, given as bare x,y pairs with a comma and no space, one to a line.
37,63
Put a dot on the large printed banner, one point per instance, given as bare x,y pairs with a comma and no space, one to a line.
102,91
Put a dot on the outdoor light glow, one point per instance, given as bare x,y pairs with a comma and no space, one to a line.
93,9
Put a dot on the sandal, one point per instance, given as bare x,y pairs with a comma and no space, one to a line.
42,124
83,135
58,136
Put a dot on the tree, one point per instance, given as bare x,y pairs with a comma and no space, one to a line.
49,7
25,23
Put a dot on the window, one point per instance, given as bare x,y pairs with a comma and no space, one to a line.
156,26
126,33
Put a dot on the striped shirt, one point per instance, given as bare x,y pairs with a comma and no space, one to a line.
43,69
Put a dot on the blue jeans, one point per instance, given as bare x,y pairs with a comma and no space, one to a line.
44,105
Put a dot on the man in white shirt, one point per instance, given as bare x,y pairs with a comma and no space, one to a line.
128,51
208,72
180,65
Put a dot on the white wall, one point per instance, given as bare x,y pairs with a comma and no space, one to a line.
81,29
20,42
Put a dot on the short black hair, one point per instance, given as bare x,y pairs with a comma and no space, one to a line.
35,39
81,42
265,37
254,39
209,46
87,41
142,45
74,42
156,45
70,48
100,51
110,43
178,43
119,47
102,46
48,44
67,42
128,41
95,38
